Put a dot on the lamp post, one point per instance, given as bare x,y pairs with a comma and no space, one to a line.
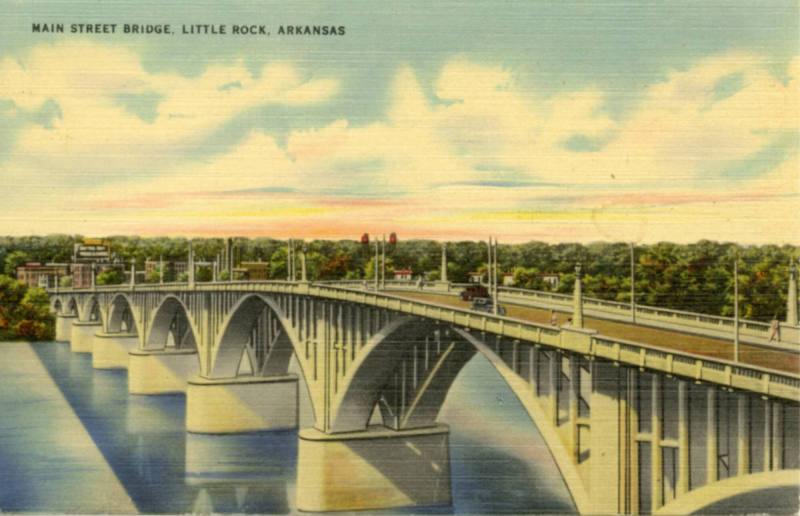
791,298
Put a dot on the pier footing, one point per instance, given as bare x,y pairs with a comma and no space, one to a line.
64,327
375,469
81,337
161,371
241,404
110,350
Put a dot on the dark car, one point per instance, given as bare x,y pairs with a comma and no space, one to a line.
486,305
474,291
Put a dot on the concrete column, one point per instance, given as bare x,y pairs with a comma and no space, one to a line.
374,469
743,434
791,298
64,326
777,436
657,473
712,437
574,391
110,350
684,469
533,368
133,273
161,269
607,489
577,310
242,404
81,339
767,435
552,387
161,371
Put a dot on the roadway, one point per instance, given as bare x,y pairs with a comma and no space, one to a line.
715,348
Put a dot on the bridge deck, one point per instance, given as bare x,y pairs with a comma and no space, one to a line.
716,348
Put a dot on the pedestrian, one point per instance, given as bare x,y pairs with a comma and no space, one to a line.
553,318
775,330
569,322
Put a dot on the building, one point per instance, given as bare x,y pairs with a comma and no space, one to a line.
475,277
37,275
252,271
92,250
551,279
508,279
82,273
402,275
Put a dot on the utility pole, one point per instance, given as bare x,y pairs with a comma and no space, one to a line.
376,265
444,262
304,276
736,309
494,276
289,260
383,261
633,285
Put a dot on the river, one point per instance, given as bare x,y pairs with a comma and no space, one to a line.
73,440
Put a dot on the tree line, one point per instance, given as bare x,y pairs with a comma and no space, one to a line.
696,277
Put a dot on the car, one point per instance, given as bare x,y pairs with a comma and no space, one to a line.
486,305
474,291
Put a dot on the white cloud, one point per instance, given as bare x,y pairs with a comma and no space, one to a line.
427,167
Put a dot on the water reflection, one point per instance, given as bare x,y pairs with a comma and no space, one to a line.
242,473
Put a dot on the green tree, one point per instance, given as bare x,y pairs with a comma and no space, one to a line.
24,313
113,276
14,260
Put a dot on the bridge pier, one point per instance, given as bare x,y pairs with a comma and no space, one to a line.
161,371
377,468
81,338
64,326
241,404
110,350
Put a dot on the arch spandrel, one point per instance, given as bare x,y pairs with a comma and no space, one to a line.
162,323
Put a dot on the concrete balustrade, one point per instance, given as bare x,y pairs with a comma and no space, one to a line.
81,337
161,371
241,404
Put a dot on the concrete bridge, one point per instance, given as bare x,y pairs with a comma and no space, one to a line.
633,427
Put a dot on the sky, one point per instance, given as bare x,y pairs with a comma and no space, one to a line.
575,121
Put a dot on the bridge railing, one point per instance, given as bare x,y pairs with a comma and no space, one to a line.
723,372
716,326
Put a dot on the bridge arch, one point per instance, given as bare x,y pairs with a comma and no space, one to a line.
246,323
522,390
699,499
72,307
91,310
171,326
56,306
121,316
371,373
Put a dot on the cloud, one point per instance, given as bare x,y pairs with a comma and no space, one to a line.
117,119
709,152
